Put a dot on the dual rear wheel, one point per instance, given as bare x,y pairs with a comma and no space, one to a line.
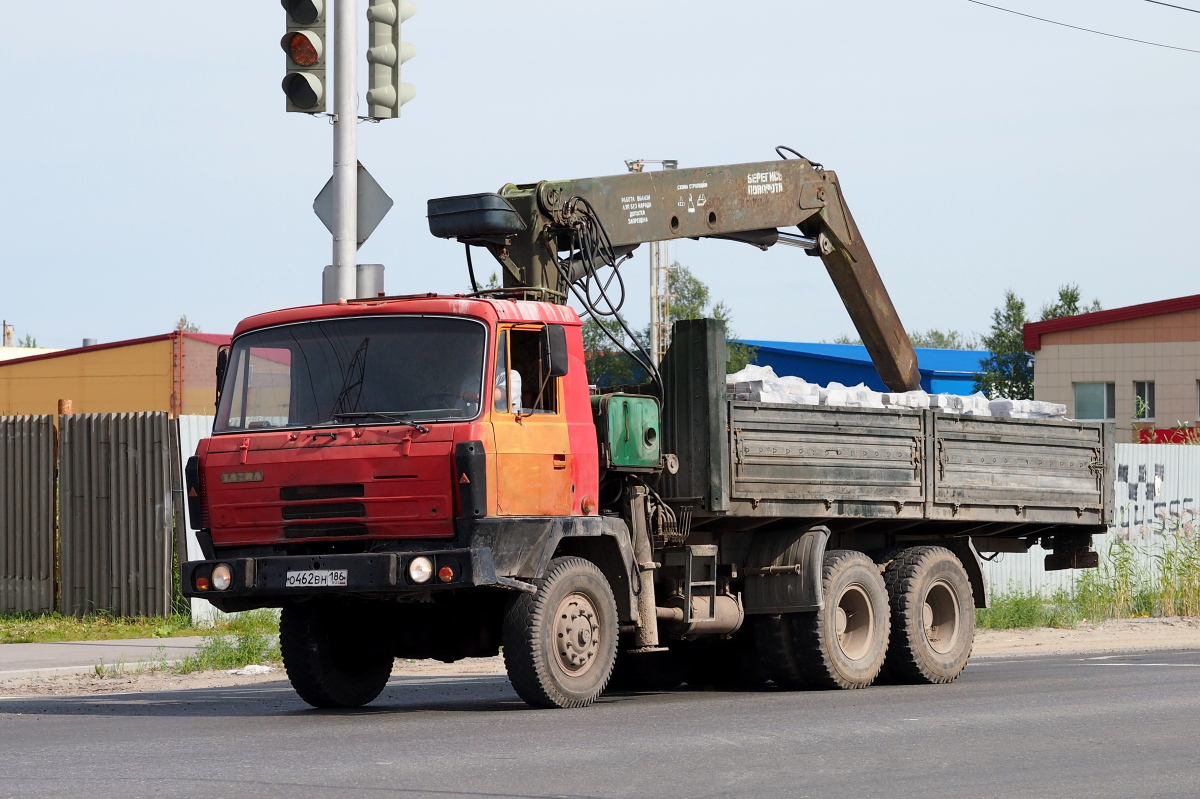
915,621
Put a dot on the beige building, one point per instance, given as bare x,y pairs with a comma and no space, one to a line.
1137,366
173,372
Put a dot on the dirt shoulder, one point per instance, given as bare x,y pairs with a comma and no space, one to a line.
1109,637
1121,635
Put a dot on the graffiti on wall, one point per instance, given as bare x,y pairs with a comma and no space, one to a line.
1150,503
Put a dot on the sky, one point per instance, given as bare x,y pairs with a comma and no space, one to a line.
149,169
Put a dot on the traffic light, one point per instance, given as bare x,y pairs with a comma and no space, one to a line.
385,55
304,44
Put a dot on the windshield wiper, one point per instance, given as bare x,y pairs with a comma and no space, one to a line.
391,416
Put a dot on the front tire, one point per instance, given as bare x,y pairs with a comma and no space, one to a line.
933,616
843,645
560,644
332,659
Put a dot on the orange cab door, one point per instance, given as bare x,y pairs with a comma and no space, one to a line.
533,457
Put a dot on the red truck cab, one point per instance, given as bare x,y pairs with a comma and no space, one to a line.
387,427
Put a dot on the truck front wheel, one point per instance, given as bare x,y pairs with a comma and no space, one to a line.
843,645
933,615
332,659
560,644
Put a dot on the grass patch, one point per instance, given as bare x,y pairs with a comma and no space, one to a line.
231,652
1127,585
29,628
1022,609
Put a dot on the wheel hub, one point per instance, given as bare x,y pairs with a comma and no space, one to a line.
854,623
576,632
940,617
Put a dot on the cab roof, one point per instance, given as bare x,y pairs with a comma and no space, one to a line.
487,308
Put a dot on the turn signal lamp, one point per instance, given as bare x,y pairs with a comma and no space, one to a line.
201,583
445,574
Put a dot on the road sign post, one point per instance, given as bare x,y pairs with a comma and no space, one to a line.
343,200
345,145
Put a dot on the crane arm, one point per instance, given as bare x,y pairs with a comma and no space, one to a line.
526,227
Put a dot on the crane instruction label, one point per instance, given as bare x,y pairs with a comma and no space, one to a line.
636,206
764,183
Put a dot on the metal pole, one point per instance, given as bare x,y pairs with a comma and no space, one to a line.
655,300
345,145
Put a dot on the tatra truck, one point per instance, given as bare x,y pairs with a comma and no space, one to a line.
432,476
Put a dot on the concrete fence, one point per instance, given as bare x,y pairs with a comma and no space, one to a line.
1157,490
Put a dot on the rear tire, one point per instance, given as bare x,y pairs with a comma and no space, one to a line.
560,644
332,659
933,616
843,645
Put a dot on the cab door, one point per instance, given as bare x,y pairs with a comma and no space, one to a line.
533,457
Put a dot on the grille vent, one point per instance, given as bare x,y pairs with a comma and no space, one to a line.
302,493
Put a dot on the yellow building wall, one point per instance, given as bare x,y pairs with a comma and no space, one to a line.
123,379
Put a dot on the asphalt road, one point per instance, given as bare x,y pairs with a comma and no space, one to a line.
1118,726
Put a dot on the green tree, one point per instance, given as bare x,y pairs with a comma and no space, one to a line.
185,326
938,340
930,339
690,299
606,364
28,341
1067,304
1008,370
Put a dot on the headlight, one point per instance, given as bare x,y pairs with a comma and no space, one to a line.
222,576
420,570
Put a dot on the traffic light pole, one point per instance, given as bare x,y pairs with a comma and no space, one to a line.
345,146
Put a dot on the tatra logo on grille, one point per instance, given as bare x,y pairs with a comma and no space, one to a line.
241,477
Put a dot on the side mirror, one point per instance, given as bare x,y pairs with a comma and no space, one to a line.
222,367
554,345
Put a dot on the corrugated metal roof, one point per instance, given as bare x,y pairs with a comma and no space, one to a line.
929,360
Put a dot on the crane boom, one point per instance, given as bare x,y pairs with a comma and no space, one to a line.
526,226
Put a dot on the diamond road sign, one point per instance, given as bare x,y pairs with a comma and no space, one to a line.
373,204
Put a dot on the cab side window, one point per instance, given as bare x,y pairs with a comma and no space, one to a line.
527,358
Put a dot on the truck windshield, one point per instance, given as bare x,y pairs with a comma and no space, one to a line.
379,370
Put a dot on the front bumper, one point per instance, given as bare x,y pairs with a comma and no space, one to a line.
366,573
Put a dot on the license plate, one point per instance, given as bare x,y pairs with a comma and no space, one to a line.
316,578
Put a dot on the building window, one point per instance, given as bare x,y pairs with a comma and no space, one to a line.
1143,400
1096,401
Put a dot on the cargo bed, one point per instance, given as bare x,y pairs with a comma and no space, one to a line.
875,469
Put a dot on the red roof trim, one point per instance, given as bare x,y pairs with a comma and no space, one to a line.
1035,330
458,304
210,338
216,339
